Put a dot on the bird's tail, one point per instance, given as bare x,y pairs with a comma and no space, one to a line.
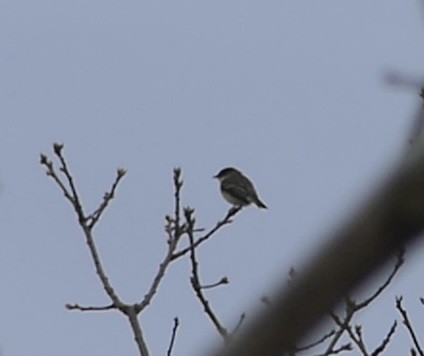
260,204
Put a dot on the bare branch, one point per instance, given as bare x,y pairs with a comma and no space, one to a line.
178,184
355,335
399,262
75,200
385,341
175,230
173,337
223,280
227,220
50,171
107,286
82,308
195,279
72,196
408,325
342,348
239,324
95,216
317,342
58,148
131,311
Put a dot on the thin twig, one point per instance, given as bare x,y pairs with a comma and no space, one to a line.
342,328
227,220
82,308
408,325
75,201
385,341
400,259
317,342
353,307
95,216
173,336
239,324
344,325
223,280
340,349
175,231
58,150
195,279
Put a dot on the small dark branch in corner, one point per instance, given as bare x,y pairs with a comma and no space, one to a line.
408,325
338,350
227,220
386,340
344,326
82,308
359,341
352,307
400,259
239,324
195,279
173,336
344,347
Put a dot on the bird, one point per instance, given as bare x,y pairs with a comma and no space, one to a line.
237,189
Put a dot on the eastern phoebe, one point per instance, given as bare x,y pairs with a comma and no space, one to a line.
237,189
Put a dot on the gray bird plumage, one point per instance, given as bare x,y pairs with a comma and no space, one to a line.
237,189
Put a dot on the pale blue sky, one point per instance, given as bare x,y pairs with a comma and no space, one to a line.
292,93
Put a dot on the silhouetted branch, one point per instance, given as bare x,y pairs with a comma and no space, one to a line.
173,337
195,279
338,350
174,230
315,343
385,341
75,201
399,262
95,216
227,220
223,280
87,223
239,324
408,325
351,308
82,308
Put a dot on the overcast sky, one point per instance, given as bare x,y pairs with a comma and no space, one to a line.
292,93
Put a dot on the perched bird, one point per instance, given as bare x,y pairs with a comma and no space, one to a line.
237,189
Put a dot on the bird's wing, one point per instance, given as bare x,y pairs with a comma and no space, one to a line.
238,191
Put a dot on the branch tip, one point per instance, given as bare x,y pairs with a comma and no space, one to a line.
57,148
120,172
